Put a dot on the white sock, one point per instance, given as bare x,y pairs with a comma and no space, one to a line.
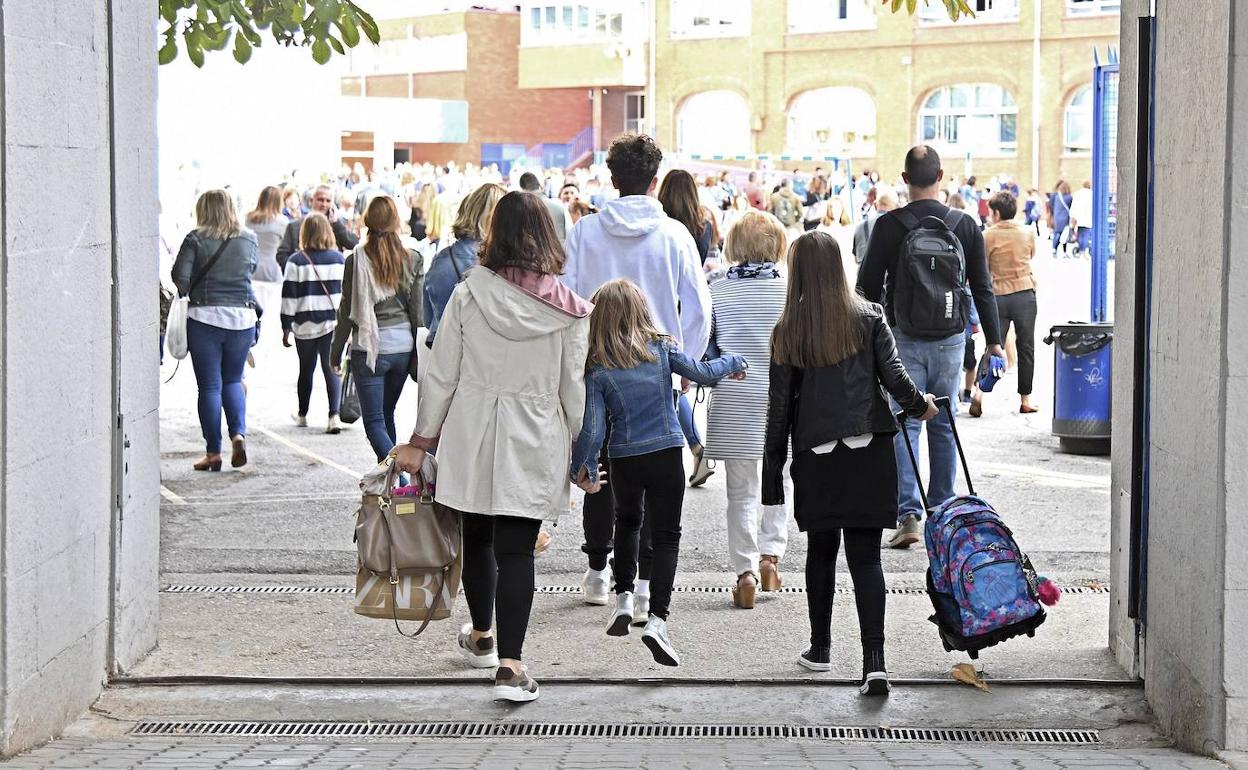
643,587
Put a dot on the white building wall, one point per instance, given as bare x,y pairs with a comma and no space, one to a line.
66,341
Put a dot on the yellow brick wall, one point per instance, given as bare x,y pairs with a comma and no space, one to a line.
771,67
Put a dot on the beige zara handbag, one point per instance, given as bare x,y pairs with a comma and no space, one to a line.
408,548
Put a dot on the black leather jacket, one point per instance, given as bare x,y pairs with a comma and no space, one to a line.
815,406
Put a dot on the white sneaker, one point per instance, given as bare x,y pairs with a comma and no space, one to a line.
704,469
301,421
334,427
594,587
481,653
655,637
641,609
622,617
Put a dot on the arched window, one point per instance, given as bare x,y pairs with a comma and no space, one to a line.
714,123
976,118
838,121
1078,123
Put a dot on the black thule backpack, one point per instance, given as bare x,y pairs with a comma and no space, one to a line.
931,296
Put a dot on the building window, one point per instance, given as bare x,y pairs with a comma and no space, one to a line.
710,18
987,11
833,121
1093,7
587,22
713,123
635,112
813,16
1078,123
970,118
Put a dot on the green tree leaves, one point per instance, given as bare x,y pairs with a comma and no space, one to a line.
200,26
956,8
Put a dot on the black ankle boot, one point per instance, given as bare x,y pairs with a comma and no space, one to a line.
874,673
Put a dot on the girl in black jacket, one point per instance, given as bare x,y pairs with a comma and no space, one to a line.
830,353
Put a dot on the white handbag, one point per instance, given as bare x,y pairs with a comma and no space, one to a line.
175,327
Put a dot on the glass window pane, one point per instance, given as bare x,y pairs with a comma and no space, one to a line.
929,128
959,96
535,18
617,24
936,100
550,15
567,16
583,21
1009,129
953,128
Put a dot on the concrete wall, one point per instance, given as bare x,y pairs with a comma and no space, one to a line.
1192,645
78,534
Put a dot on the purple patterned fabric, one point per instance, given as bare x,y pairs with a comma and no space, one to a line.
977,570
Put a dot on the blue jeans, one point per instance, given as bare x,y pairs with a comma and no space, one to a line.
218,356
684,411
379,390
935,366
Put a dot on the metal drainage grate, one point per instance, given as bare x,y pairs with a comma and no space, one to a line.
277,589
340,730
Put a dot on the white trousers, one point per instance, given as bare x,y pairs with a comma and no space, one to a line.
748,536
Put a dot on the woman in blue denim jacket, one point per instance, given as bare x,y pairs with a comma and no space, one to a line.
449,265
628,380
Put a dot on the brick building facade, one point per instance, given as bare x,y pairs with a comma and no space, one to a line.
1008,92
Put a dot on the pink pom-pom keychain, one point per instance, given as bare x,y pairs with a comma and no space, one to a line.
1049,592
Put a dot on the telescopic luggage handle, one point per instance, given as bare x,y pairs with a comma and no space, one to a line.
941,403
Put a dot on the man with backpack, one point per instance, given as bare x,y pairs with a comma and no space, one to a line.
926,262
786,206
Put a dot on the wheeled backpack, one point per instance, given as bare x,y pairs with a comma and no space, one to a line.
983,587
931,295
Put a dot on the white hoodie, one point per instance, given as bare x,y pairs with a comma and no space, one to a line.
633,238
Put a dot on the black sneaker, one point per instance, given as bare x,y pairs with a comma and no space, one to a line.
515,687
874,674
816,658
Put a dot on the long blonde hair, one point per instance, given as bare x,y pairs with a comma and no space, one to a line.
384,246
620,328
822,320
473,220
316,233
268,207
215,216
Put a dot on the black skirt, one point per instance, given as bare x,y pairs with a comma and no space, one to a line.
846,488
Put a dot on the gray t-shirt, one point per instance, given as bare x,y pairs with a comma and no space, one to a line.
268,236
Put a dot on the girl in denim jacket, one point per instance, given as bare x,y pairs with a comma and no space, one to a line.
628,380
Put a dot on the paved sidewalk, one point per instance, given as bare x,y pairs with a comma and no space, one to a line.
560,754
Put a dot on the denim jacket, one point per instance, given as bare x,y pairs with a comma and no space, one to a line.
445,272
639,404
228,284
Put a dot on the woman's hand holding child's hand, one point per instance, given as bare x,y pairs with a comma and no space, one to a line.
737,375
932,409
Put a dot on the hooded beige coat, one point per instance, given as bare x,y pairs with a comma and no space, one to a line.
505,390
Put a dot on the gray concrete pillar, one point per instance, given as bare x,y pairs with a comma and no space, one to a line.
1191,649
79,455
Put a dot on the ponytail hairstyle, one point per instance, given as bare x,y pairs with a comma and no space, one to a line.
821,324
384,247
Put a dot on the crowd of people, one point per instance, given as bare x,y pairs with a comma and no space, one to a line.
567,316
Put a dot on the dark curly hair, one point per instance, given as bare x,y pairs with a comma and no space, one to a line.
522,234
634,163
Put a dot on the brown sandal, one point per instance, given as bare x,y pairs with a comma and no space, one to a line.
743,593
768,567
239,457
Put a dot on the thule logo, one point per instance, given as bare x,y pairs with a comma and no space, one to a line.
948,304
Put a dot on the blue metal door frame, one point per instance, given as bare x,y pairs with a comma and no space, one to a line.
1104,181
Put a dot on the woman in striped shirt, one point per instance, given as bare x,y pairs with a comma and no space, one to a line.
744,309
311,291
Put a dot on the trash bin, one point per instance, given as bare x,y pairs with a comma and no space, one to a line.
1083,358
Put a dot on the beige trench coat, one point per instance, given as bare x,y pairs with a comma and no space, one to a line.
505,390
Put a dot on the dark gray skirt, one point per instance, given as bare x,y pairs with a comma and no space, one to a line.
846,488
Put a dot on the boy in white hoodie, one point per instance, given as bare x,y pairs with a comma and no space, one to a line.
633,238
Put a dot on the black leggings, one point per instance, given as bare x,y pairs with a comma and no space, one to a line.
309,351
649,487
498,576
598,521
1019,309
862,551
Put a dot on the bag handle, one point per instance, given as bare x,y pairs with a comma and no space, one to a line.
945,403
195,279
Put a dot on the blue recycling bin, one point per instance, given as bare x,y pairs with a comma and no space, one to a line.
1082,391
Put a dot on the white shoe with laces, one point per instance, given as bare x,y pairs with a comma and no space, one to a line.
594,587
655,637
641,609
622,617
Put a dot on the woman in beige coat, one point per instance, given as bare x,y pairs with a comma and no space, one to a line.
501,401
